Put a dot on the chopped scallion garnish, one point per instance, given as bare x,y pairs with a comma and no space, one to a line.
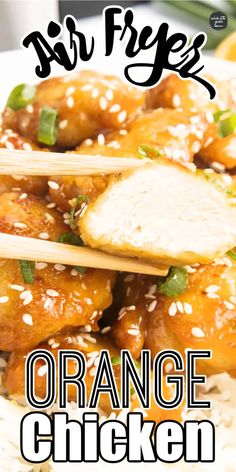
226,120
116,360
21,96
71,238
27,271
47,130
77,201
80,269
174,283
232,254
146,151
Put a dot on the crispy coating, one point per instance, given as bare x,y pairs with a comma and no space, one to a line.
59,296
174,92
222,150
14,376
169,132
202,317
84,104
30,184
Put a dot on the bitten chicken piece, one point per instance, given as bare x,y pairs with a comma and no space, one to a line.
174,92
35,185
202,317
59,297
86,102
90,345
161,132
162,212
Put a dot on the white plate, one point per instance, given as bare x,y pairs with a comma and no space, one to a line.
18,66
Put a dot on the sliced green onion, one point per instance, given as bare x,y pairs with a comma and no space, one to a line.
232,254
147,151
77,201
71,238
27,270
116,360
226,120
47,131
21,96
80,269
174,283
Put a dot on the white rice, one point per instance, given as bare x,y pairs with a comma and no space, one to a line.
220,389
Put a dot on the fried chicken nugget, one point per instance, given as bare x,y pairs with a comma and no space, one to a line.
202,317
86,102
59,297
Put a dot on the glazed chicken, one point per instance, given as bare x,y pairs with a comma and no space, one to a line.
85,103
60,297
202,317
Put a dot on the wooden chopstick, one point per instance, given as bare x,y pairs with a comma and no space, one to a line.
20,247
15,162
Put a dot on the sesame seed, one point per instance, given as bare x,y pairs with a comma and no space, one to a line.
131,308
209,117
29,108
176,100
195,147
212,295
42,370
106,329
19,225
19,288
103,103
95,93
88,142
101,139
217,166
63,124
92,371
55,345
26,296
27,319
47,303
74,272
114,108
188,308
123,132
232,299
114,145
172,309
86,88
197,332
212,288
152,306
70,102
52,293
228,305
49,218
122,116
27,147
59,267
4,299
109,94
44,236
180,307
70,90
53,185
40,265
129,278
133,331
23,196
9,145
